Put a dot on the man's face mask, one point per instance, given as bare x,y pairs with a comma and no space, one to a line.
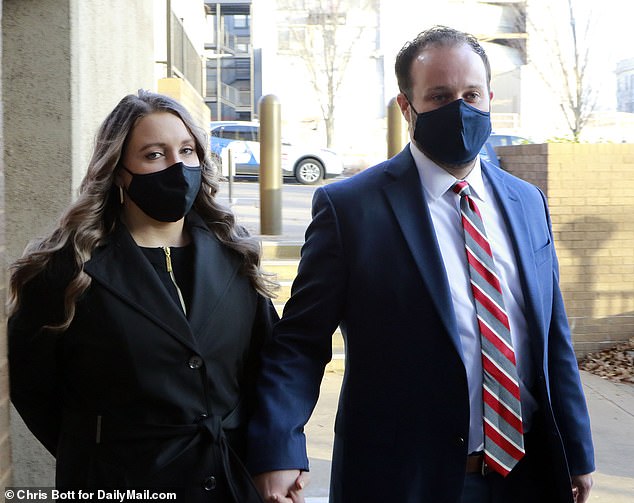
166,195
452,134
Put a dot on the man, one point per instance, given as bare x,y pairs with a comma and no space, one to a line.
461,384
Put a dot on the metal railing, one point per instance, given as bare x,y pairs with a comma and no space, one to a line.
185,59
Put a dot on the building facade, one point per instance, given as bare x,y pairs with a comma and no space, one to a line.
625,86
233,75
335,61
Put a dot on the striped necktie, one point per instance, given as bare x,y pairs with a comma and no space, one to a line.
503,431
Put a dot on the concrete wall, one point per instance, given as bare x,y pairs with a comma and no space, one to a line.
112,49
589,192
5,438
66,63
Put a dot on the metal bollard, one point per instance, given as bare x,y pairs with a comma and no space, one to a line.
231,170
396,130
270,165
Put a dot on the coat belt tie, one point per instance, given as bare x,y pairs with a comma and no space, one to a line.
212,427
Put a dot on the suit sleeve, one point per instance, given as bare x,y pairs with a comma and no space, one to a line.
567,398
566,391
293,361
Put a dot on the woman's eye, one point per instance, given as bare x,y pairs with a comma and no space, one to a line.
154,155
188,151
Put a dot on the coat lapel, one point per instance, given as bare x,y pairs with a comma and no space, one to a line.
215,269
407,199
515,217
121,268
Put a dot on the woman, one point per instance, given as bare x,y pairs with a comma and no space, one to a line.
136,324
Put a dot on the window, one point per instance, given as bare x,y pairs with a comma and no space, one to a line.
242,133
241,21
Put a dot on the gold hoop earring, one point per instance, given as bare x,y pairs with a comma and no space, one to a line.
121,199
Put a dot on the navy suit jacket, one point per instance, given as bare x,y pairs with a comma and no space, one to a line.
371,264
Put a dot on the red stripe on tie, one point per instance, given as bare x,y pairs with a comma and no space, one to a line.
502,411
490,306
477,237
503,443
495,466
487,275
494,339
500,377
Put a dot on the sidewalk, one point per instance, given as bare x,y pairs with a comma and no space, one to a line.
611,410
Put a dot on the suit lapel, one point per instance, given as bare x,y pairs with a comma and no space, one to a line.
518,227
215,269
121,268
407,200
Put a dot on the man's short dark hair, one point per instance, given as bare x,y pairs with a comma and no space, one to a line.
436,36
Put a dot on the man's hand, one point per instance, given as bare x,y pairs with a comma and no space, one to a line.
282,486
581,485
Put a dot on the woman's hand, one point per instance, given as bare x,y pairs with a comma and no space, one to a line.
282,486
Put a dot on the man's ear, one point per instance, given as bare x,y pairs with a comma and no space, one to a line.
404,105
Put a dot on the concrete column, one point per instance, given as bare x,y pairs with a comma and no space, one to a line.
5,443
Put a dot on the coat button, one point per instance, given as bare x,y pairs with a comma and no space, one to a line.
195,362
209,484
459,441
202,417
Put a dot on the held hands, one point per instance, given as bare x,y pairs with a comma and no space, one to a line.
282,486
581,485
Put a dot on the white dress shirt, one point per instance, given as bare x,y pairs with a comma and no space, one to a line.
444,206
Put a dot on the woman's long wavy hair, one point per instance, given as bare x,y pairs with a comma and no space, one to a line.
86,223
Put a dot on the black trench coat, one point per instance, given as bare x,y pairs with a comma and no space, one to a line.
134,393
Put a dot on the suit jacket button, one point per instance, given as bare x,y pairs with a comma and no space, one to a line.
459,441
195,362
209,484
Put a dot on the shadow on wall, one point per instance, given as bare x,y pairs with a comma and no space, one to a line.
599,317
586,259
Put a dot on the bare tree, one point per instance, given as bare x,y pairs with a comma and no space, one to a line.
567,72
324,39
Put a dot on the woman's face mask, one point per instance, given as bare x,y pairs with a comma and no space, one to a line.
166,195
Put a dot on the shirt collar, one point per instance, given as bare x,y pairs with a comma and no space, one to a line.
436,181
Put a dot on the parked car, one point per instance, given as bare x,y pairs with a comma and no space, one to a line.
307,165
499,140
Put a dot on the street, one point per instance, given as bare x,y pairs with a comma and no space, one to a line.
244,201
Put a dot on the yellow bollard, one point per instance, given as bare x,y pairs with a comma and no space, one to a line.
396,129
270,165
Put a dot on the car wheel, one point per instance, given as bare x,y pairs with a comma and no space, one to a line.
309,171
